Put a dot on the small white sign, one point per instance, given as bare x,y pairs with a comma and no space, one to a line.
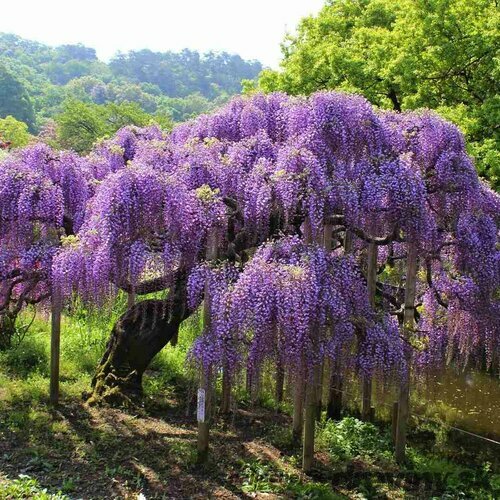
200,414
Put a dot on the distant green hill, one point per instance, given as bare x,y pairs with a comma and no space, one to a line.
178,85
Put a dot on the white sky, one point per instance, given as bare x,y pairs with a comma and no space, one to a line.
251,28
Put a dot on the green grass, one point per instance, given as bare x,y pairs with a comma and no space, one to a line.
26,487
25,367
69,446
353,441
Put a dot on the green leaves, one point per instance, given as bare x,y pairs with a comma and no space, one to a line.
14,100
81,124
405,54
14,132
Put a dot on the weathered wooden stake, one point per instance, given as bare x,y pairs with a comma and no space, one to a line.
334,408
298,408
366,395
55,345
310,420
204,413
408,323
255,388
394,421
314,381
372,284
130,299
280,382
319,391
248,381
226,391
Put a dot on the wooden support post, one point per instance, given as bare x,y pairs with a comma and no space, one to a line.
371,278
310,419
300,378
408,323
347,242
280,382
319,400
314,381
204,413
55,345
298,408
226,391
394,421
334,408
366,395
130,299
248,381
255,389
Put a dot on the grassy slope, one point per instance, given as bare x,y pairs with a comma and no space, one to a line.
84,452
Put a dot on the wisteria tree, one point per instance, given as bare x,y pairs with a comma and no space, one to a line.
271,186
42,199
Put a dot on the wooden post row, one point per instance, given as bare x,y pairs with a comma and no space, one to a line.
204,407
366,407
408,323
334,407
55,344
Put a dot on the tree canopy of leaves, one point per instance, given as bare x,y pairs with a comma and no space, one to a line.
186,72
81,124
405,54
157,81
14,100
13,132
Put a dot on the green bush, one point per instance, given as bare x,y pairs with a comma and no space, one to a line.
351,438
31,356
27,487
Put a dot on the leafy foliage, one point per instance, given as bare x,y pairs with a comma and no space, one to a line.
176,85
81,125
405,54
27,487
13,133
14,99
351,438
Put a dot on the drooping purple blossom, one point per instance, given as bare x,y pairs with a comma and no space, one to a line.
143,204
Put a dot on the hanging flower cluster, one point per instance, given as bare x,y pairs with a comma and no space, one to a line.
293,301
138,211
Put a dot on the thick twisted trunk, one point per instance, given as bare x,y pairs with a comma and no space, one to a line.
136,338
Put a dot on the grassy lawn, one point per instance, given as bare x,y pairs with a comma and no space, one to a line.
75,451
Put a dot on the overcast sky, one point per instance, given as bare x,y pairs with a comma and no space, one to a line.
251,28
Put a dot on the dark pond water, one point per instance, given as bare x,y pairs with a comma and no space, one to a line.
468,400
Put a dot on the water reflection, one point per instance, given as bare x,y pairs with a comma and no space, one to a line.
468,400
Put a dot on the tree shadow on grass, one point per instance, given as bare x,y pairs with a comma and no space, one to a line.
103,453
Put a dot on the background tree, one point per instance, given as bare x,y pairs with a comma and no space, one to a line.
81,124
14,100
53,75
405,54
14,132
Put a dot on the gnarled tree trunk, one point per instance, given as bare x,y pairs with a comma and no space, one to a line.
135,339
